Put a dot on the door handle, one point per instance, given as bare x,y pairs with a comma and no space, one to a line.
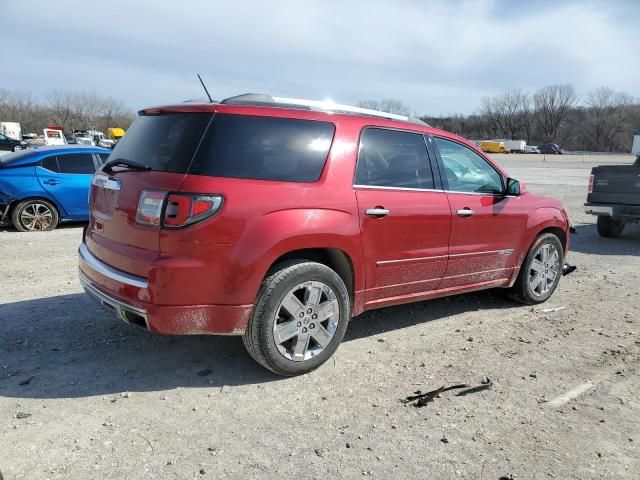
51,182
377,212
465,212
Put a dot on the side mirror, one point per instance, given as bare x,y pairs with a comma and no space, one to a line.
513,187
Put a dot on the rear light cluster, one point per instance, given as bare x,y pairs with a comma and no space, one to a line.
174,210
590,189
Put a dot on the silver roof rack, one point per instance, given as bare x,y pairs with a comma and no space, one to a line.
318,105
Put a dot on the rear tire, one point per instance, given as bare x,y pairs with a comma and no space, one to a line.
299,319
540,272
608,227
34,215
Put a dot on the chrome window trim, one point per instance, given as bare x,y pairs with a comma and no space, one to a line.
108,271
376,187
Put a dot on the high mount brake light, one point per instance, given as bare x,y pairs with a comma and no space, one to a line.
175,210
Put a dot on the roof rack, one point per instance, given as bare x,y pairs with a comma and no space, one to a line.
261,99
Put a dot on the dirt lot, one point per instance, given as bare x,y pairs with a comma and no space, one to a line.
108,401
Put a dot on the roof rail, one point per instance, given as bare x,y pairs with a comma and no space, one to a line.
262,99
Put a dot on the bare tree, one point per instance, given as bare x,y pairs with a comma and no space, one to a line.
608,118
552,106
387,105
509,113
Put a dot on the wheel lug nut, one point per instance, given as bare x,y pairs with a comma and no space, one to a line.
309,310
301,314
314,316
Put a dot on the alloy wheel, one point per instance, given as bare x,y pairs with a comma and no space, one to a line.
306,321
544,269
36,216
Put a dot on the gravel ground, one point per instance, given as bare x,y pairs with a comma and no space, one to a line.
84,396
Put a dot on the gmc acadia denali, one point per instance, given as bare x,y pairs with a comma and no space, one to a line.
280,219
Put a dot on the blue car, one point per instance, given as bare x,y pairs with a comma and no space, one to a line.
41,187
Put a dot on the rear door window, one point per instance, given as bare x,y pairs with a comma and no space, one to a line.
393,158
263,148
77,163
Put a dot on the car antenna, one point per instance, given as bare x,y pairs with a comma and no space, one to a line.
205,88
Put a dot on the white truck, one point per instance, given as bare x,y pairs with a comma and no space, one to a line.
11,130
516,146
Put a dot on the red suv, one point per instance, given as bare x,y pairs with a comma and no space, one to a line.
281,219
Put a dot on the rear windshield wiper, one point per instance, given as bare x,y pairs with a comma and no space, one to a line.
123,162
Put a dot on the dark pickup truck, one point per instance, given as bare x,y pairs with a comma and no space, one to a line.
614,196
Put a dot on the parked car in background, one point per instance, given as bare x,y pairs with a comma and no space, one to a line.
550,149
280,219
614,196
42,187
11,144
83,137
531,149
493,147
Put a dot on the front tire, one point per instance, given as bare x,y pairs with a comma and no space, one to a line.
540,272
608,227
35,215
300,318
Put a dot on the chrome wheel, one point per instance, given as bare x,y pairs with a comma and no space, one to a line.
544,269
306,321
36,216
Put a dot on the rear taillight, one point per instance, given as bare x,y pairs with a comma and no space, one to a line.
185,209
590,189
174,210
150,207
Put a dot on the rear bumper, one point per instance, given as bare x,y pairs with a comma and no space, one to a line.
127,296
622,212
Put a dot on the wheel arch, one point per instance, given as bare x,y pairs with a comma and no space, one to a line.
336,259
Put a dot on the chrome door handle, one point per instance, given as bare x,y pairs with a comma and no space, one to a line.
377,212
465,212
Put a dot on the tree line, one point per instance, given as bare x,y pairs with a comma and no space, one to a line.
80,111
605,120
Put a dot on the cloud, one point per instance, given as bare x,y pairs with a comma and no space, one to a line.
437,57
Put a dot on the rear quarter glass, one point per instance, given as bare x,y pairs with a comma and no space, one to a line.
264,148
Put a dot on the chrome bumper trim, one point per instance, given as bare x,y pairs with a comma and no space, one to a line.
116,306
102,268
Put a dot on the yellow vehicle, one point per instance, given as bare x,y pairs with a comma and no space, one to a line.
493,147
115,133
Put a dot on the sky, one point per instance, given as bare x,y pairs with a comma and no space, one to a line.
437,57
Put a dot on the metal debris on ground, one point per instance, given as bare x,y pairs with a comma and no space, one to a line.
548,310
22,415
422,399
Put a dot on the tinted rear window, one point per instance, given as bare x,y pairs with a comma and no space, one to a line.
264,148
163,142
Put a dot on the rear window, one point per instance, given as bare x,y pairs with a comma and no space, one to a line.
233,146
163,142
78,163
